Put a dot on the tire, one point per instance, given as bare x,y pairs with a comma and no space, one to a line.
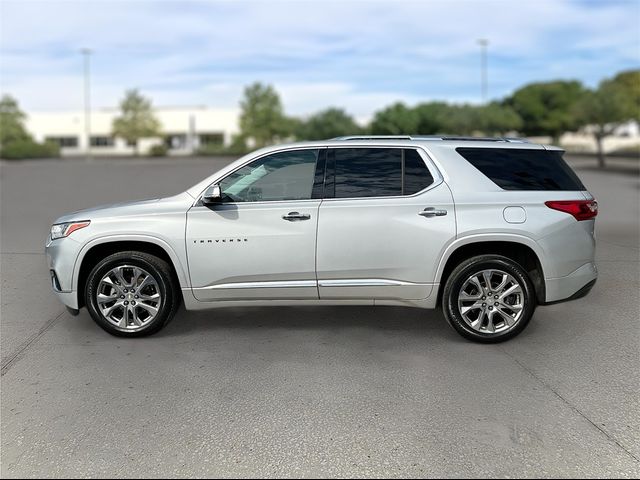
485,318
121,298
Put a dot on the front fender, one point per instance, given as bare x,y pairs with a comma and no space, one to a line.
178,260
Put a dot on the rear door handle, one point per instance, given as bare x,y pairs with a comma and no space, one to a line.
432,212
296,217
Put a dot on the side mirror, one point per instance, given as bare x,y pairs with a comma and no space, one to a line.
212,194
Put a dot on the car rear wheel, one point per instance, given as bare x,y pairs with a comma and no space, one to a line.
488,298
131,294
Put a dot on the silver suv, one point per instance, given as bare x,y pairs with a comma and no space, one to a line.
485,228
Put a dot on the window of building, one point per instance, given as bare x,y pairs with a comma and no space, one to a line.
63,142
102,141
176,141
211,138
281,176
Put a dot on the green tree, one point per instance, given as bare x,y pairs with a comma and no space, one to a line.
397,119
547,108
136,120
461,120
11,122
614,102
497,119
432,118
629,83
329,123
261,115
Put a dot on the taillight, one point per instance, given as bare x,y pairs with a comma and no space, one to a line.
580,209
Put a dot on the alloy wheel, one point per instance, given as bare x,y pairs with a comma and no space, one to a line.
128,297
491,301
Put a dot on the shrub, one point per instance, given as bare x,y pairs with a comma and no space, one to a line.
160,150
21,149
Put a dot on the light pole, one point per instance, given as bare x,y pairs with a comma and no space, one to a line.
484,43
86,53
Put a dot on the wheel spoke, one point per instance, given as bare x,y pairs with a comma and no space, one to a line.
474,306
136,274
503,282
102,298
124,321
150,298
515,288
107,311
147,281
507,318
465,297
487,279
120,277
490,326
149,308
133,312
476,283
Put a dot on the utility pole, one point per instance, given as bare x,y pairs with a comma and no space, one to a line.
484,82
86,53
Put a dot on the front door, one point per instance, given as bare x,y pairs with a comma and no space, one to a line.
259,242
375,238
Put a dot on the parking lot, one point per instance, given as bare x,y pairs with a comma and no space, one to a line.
300,391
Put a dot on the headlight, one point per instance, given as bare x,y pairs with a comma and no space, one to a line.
62,230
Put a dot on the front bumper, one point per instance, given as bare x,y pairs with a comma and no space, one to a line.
61,258
575,285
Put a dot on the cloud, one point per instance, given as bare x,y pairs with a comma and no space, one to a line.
357,55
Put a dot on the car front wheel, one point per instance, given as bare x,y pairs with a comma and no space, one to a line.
131,294
488,298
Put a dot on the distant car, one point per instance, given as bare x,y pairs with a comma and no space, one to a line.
485,228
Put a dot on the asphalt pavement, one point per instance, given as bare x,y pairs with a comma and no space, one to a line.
301,391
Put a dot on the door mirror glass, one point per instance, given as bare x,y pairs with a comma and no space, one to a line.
212,194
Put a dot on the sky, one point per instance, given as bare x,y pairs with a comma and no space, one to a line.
356,55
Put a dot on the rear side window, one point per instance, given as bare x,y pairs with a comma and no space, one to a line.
519,169
416,174
367,172
375,172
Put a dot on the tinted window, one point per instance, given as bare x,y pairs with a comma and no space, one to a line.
281,176
367,172
416,174
518,169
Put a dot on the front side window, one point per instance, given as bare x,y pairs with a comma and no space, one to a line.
376,172
281,176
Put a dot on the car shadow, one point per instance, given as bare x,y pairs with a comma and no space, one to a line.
413,321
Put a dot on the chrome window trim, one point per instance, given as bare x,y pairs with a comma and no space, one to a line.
435,173
426,158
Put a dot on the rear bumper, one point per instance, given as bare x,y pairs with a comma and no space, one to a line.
575,285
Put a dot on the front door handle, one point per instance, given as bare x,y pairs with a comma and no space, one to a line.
296,217
432,212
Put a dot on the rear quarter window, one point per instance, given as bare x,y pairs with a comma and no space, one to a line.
520,169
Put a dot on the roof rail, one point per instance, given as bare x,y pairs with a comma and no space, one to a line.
432,137
374,137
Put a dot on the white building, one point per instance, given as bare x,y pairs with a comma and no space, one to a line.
184,130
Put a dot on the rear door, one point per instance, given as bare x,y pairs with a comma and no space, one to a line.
383,224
